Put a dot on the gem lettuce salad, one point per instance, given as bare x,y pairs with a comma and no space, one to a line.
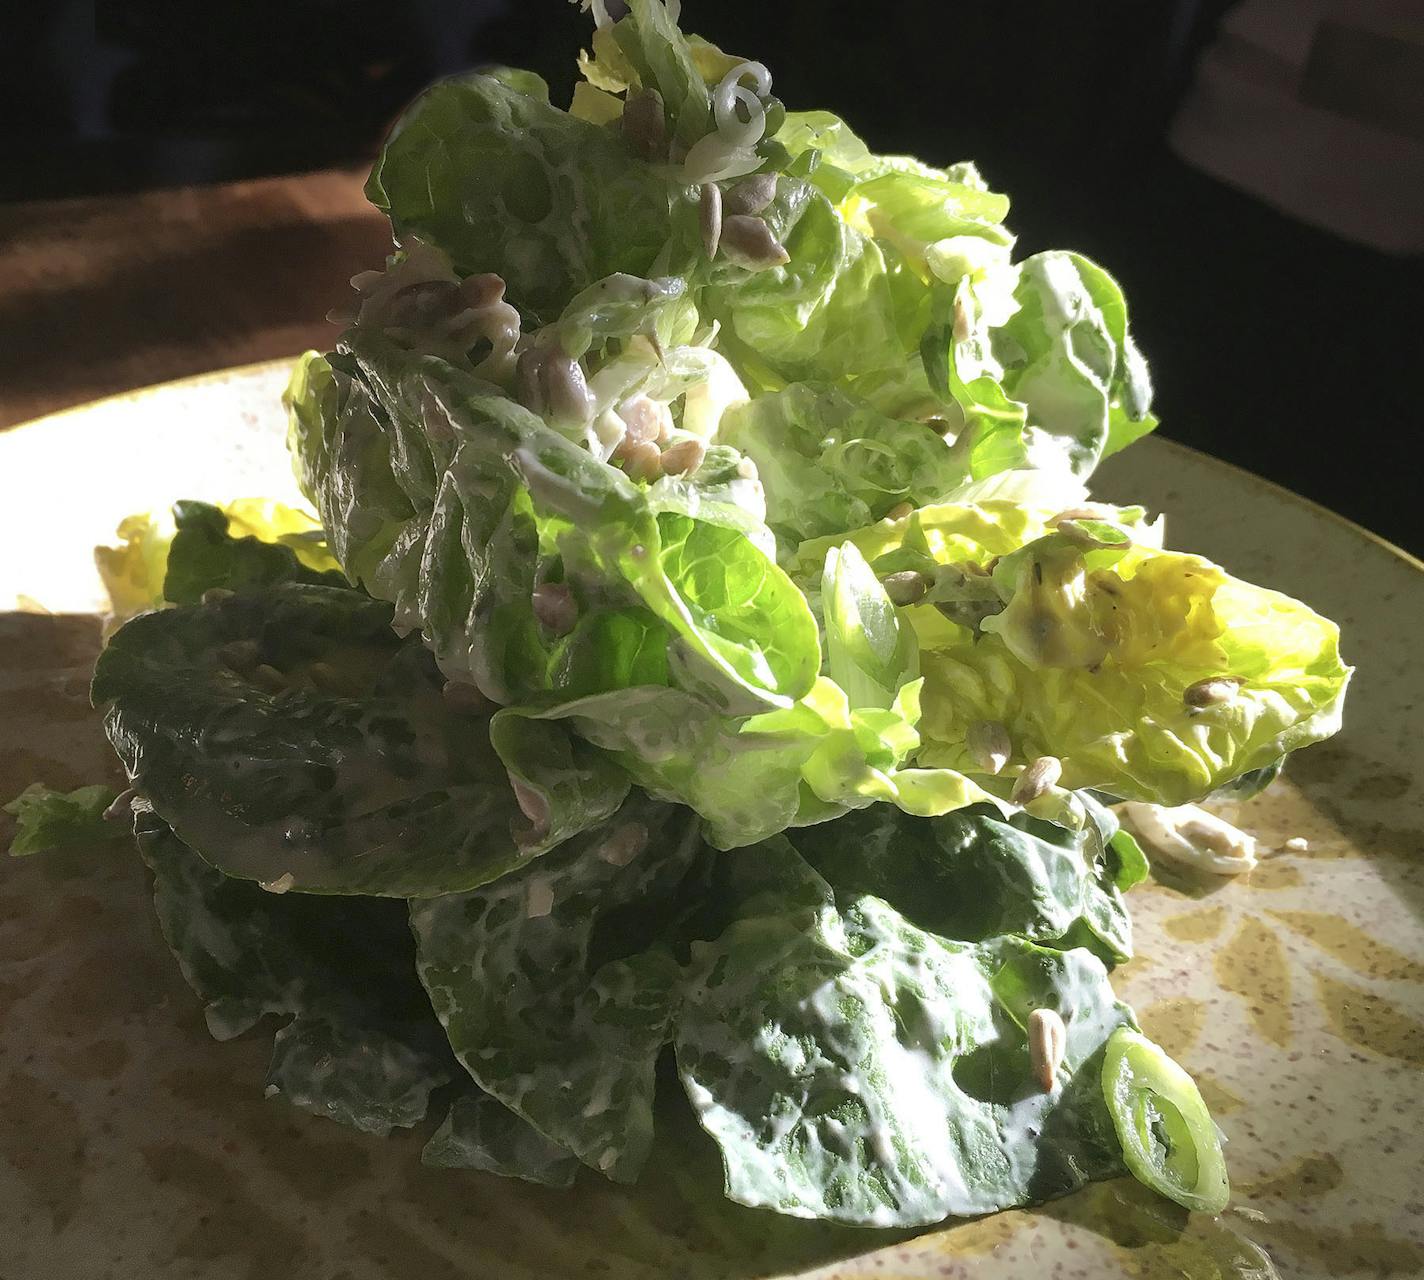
707,647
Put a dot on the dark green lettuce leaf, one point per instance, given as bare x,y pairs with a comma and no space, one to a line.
482,1133
363,1046
204,554
854,1067
553,986
47,819
292,738
974,874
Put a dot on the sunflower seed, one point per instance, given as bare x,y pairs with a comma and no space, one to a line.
269,678
909,586
566,390
900,510
216,595
642,461
709,212
1214,691
533,806
751,195
625,844
961,321
645,419
239,655
644,123
1047,1045
749,243
280,885
1037,779
539,898
988,742
683,458
555,607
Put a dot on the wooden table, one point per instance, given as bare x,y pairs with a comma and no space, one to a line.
102,295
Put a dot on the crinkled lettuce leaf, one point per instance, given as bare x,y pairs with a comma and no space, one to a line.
238,544
362,1045
830,463
976,874
1038,360
555,988
494,502
503,182
46,819
854,1067
480,1132
205,553
291,738
1091,656
846,744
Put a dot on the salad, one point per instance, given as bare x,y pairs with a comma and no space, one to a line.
705,649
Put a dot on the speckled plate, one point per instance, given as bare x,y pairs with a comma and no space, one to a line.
135,1147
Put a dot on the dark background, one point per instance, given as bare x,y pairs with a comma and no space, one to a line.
1283,348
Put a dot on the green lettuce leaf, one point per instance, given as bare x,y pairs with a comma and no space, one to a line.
1046,376
1091,658
662,60
853,1067
206,554
506,183
496,502
553,987
974,874
827,315
480,1132
830,464
135,573
362,1046
46,819
291,738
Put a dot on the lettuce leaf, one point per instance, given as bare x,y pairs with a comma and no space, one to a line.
362,1046
291,738
1093,653
554,988
1047,377
1053,885
205,553
480,1132
503,182
46,819
493,502
845,744
830,463
251,540
853,1067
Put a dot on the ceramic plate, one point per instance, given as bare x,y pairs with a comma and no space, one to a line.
135,1146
